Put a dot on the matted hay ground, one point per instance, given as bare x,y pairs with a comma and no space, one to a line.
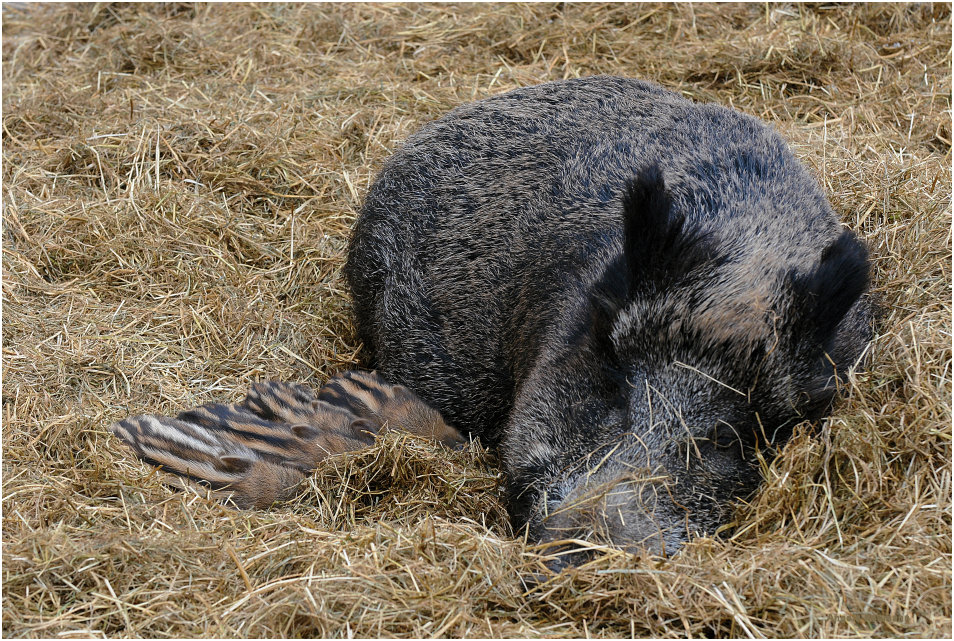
178,186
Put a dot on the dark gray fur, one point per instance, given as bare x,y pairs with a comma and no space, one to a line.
624,292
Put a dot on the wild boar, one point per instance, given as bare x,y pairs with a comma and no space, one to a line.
625,293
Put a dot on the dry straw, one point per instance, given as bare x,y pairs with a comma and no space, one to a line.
178,186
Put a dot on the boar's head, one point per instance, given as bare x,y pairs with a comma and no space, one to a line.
691,353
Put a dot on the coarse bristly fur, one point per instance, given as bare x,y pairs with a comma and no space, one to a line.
631,296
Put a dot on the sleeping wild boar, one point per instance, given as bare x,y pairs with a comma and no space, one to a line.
625,293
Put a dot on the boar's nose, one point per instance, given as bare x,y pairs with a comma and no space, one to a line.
628,512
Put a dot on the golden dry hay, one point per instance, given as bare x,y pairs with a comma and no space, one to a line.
178,186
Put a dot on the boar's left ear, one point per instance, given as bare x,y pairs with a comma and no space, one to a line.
822,298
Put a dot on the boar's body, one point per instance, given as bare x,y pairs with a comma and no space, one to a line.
624,292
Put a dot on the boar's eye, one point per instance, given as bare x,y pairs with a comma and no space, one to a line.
725,436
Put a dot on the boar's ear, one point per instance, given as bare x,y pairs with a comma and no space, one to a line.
659,250
658,247
822,298
650,226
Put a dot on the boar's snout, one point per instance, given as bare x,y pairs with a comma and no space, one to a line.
632,510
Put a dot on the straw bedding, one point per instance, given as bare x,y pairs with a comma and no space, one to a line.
178,186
